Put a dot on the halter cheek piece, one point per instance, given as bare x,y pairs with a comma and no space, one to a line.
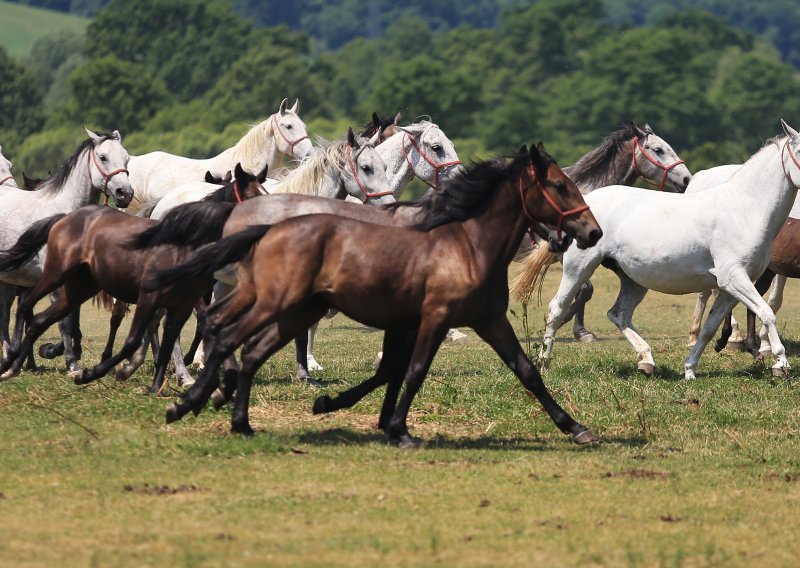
367,194
291,143
796,163
436,167
5,179
562,215
637,144
92,157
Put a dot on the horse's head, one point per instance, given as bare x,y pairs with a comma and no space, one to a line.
386,125
107,164
364,176
656,162
247,185
553,203
430,154
791,163
290,132
6,177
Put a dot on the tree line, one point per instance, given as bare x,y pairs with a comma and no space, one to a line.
563,71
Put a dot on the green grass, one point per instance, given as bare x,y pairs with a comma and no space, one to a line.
689,474
23,25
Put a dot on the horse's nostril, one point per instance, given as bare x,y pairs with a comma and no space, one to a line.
595,235
686,180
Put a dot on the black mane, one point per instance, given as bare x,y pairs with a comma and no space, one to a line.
468,193
599,161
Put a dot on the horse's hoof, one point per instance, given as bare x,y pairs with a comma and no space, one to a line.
585,337
780,372
47,351
303,377
692,343
10,374
646,369
218,399
173,414
321,405
585,437
737,346
406,442
313,365
377,362
121,373
186,381
242,429
79,377
457,336
688,375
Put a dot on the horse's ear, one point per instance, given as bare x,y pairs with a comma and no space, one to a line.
790,132
228,177
541,160
376,120
239,172
210,178
116,136
296,106
647,128
262,176
523,149
95,137
638,131
351,138
376,137
397,118
282,108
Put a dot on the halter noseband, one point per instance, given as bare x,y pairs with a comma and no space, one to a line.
291,143
92,157
367,194
796,163
5,179
637,144
562,215
436,167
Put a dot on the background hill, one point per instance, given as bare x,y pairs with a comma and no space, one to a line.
23,25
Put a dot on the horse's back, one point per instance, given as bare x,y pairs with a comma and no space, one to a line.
706,179
156,174
188,192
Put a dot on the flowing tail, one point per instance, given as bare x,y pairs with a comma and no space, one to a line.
207,259
534,267
28,244
191,225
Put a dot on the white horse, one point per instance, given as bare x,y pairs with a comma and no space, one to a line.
702,181
680,244
153,175
6,177
97,167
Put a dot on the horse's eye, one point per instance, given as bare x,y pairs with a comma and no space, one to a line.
288,127
366,169
659,150
103,158
436,147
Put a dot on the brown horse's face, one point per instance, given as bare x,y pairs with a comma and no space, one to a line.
556,205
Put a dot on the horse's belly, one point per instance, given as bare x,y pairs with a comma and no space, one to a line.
670,279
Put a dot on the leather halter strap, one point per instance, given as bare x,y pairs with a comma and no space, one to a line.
92,157
794,159
291,143
5,179
637,144
367,194
436,167
562,214
236,193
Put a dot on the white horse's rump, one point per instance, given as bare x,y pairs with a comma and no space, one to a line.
153,175
646,251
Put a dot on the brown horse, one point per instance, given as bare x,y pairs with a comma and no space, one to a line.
88,252
451,270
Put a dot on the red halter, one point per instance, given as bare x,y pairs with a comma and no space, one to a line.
562,215
796,163
5,179
367,194
637,144
291,143
236,193
92,157
436,167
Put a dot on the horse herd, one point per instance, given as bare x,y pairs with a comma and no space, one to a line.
260,260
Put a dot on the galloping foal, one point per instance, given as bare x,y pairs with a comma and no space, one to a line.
450,271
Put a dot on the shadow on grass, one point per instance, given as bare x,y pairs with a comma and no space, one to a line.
341,436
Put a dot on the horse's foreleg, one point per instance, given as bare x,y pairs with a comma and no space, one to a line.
67,327
125,369
313,364
722,306
697,316
630,296
775,301
500,336
176,318
118,312
738,285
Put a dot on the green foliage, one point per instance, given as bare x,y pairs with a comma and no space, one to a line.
20,98
187,43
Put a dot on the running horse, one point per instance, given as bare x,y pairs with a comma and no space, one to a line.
451,270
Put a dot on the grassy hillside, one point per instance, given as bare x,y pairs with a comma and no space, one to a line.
23,25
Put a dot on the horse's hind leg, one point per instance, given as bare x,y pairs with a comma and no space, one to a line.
578,307
775,301
70,334
723,304
124,370
118,312
630,296
176,318
578,268
697,316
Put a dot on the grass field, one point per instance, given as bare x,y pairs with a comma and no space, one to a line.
23,25
689,474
